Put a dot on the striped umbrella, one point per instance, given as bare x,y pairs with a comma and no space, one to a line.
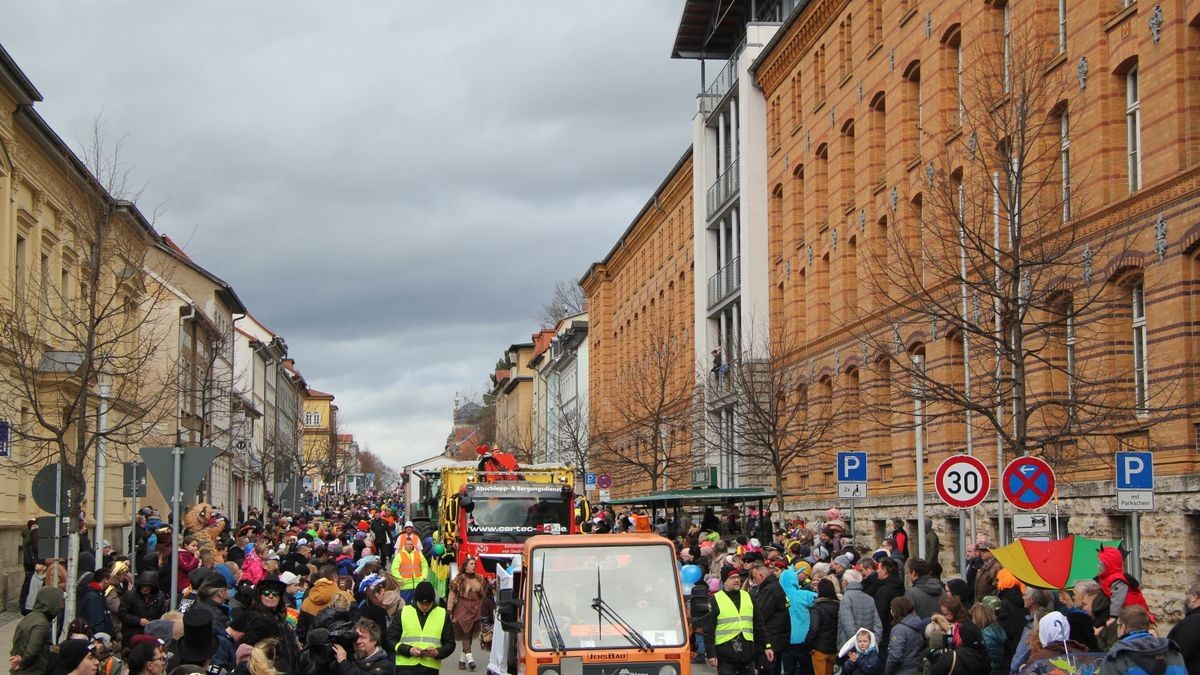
1057,563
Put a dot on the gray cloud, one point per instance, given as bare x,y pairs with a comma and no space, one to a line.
394,187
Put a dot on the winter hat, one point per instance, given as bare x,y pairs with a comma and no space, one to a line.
371,581
143,638
992,601
843,560
364,561
730,571
71,653
162,629
424,593
803,567
1053,628
288,578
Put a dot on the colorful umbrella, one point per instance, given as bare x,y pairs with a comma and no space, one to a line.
1057,563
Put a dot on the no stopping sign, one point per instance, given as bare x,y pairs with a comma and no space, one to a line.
962,481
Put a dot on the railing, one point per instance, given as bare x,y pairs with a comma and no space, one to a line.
722,189
725,80
726,281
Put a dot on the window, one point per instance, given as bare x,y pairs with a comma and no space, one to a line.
1064,160
876,19
312,418
797,101
45,280
1141,374
847,168
821,186
1062,26
846,48
878,144
1007,64
912,111
1133,129
1069,330
819,74
952,63
21,264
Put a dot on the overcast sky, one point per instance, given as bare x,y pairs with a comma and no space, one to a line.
393,187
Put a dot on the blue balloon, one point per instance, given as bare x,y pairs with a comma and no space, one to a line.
690,574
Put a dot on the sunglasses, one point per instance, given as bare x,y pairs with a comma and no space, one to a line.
271,592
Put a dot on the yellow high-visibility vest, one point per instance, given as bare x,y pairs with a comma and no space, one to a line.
733,620
416,635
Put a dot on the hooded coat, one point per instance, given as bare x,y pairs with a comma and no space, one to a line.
31,640
800,602
867,662
1120,588
135,606
857,611
925,594
1142,651
906,649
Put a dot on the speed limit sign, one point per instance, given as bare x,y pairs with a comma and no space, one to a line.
963,481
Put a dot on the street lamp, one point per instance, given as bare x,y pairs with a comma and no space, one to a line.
918,396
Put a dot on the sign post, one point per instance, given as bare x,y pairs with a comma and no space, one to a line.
962,481
178,471
1135,493
852,480
134,483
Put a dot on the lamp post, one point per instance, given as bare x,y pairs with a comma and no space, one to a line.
104,388
918,394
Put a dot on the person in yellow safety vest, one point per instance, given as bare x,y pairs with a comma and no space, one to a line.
423,635
736,629
409,568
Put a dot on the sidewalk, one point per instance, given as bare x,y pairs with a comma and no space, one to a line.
8,626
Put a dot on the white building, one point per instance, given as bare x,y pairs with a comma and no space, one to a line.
560,388
729,138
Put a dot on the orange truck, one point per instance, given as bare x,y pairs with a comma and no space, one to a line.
601,604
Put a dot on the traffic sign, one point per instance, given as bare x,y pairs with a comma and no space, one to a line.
194,463
852,490
589,480
1135,500
1031,524
1028,483
46,484
962,481
852,467
605,495
1135,471
604,481
135,476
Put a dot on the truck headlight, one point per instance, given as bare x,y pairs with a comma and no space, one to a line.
549,671
668,670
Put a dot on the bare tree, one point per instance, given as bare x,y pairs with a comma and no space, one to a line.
568,300
645,416
782,417
990,261
568,435
98,328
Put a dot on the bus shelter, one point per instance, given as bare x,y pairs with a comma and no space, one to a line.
672,504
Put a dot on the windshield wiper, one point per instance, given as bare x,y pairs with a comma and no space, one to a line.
603,609
545,615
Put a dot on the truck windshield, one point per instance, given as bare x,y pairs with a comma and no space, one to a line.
638,582
521,515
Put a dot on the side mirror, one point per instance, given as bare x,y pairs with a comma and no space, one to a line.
508,608
699,603
466,503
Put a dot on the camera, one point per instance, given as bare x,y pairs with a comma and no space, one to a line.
345,638
216,670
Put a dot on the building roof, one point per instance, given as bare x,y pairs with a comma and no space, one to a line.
709,29
14,78
225,292
650,204
696,496
313,393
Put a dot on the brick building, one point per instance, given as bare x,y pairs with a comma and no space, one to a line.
641,342
878,152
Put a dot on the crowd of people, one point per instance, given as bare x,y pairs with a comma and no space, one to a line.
352,589
806,601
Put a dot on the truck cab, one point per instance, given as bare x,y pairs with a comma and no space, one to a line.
597,605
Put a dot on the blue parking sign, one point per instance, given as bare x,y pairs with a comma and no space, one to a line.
1135,471
852,467
589,480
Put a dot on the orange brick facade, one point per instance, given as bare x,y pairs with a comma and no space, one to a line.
640,300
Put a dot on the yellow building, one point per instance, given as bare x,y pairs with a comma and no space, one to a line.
318,434
69,249
513,391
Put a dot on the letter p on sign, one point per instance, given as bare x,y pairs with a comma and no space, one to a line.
1135,471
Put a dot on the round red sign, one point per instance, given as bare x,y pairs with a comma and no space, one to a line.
963,481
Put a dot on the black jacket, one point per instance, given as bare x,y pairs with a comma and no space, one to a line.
771,603
886,590
1186,634
823,626
379,663
726,650
969,658
135,606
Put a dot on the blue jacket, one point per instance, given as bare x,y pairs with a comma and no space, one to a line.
800,601
1139,653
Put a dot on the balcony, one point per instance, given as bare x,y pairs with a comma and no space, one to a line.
714,93
722,190
725,282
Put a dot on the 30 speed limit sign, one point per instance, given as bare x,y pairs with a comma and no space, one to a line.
963,481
